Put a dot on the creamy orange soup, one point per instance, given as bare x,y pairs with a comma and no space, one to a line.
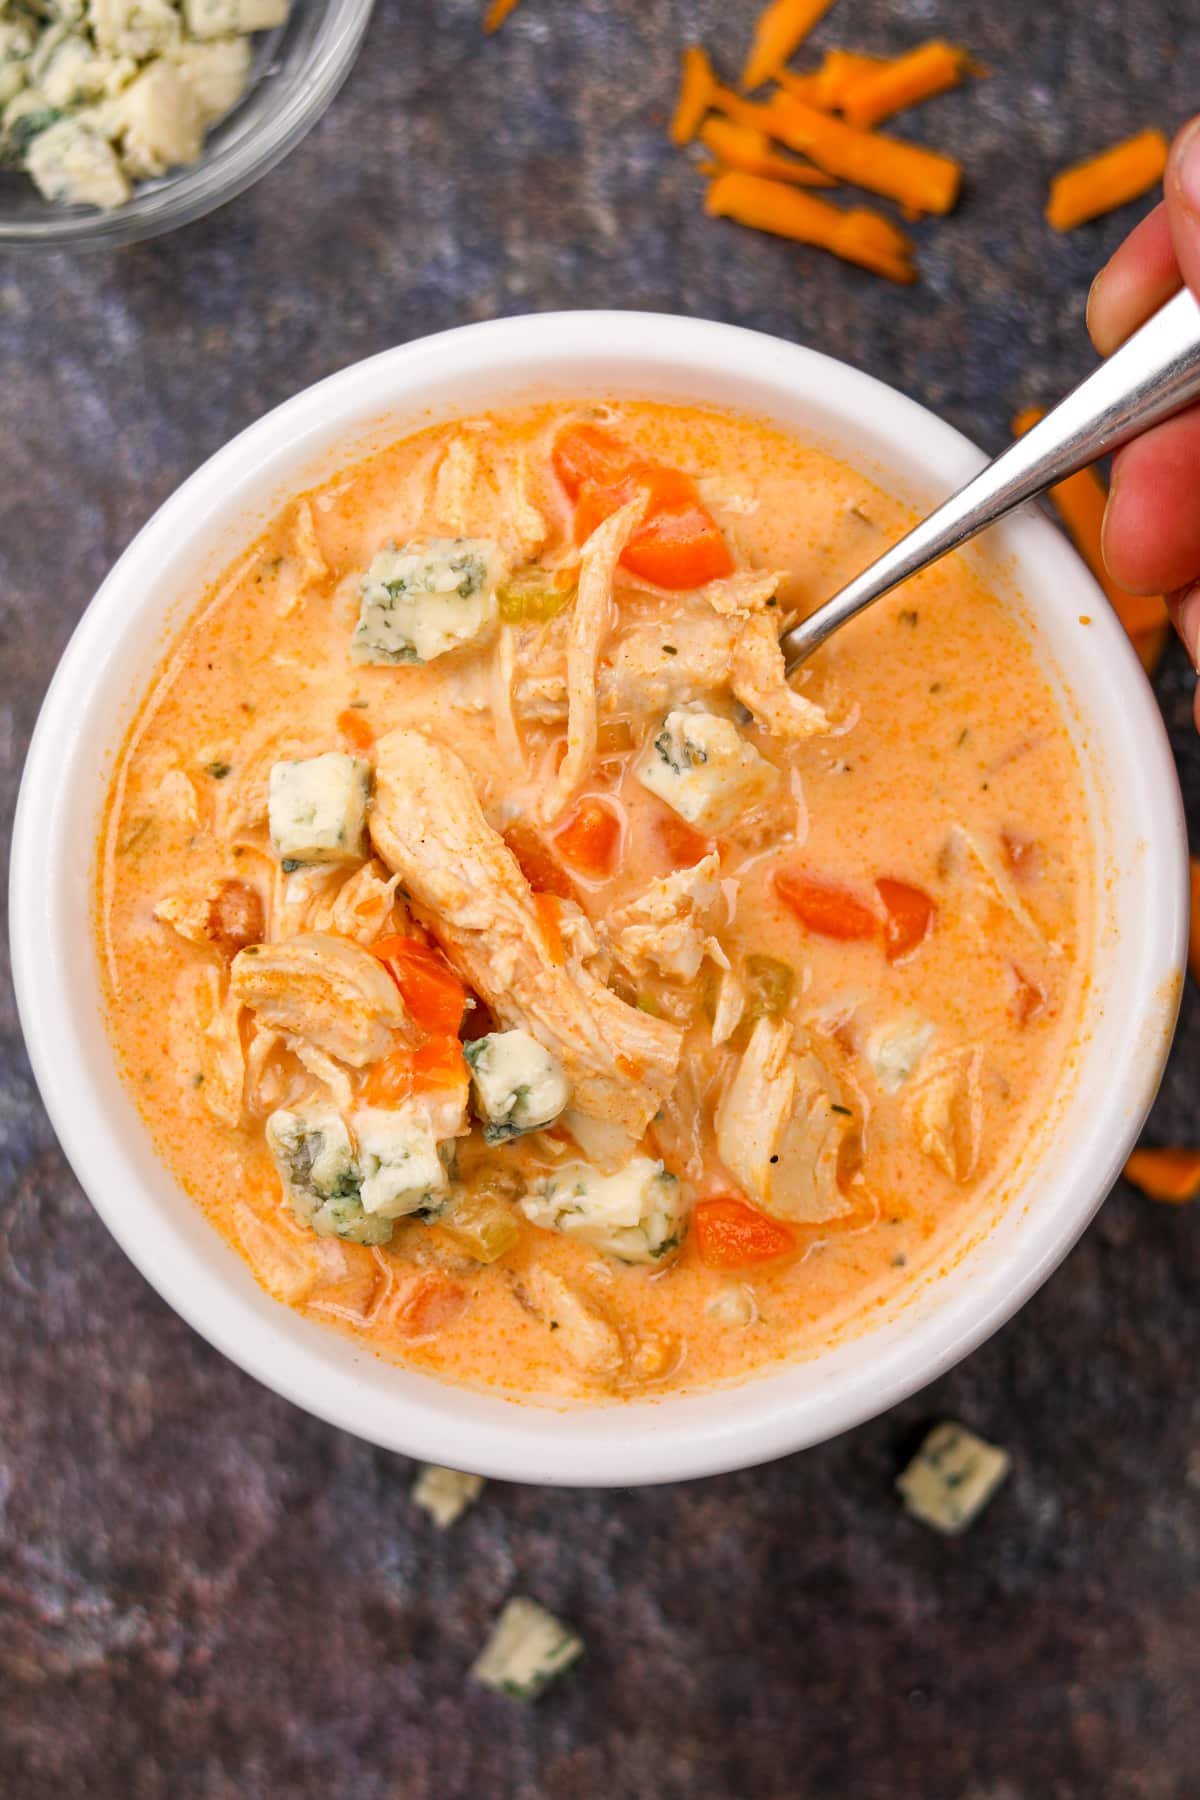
522,976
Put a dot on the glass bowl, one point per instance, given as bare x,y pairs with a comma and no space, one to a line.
295,73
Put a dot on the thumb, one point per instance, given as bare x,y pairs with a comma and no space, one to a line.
1181,189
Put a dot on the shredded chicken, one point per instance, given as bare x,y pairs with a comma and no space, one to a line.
582,1329
226,917
731,1004
466,885
222,1071
945,1109
322,1068
524,523
591,620
454,489
307,547
327,991
741,595
781,1125
359,908
758,679
963,844
176,799
666,927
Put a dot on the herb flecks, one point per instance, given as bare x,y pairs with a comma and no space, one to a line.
218,770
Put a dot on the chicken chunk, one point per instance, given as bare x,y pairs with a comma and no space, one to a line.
582,1330
226,917
360,907
326,990
758,680
667,925
781,1124
465,884
945,1110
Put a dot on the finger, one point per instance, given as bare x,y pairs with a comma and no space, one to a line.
1181,188
1185,614
1152,526
1139,278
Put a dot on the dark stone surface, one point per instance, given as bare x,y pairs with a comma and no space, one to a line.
205,1593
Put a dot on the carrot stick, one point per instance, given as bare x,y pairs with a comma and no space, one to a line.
1108,180
928,70
858,236
921,179
496,14
1080,501
697,84
1170,1175
839,74
778,34
1194,926
742,147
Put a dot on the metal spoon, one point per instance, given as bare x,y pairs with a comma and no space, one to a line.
1154,374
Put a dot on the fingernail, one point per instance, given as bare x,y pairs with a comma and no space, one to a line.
1187,167
1185,609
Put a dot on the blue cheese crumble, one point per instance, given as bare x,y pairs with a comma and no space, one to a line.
702,767
423,599
528,1649
516,1083
635,1214
951,1478
314,1154
317,809
402,1169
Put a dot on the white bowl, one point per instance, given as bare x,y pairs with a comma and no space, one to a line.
1139,937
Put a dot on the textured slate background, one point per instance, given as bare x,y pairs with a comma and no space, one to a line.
205,1593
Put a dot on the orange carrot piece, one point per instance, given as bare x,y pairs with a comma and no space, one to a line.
683,846
436,1065
909,916
355,729
778,33
541,869
697,84
730,1234
588,841
1103,182
433,1302
496,14
1194,925
856,236
429,987
839,74
910,79
549,911
741,147
824,907
1170,1175
923,180
1080,501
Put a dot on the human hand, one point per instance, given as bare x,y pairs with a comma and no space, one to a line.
1152,525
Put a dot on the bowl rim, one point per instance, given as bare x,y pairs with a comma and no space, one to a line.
222,173
634,1442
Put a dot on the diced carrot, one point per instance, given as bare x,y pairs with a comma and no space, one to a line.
355,728
824,907
1080,501
679,547
541,869
588,455
661,489
779,31
921,179
588,841
434,1302
678,543
1119,174
1029,997
436,1065
1194,923
909,917
1170,1175
739,146
731,1234
930,69
429,987
497,12
696,84
683,846
857,235
549,911
1022,855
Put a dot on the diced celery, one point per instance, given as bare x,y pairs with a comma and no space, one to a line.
533,596
770,985
479,1221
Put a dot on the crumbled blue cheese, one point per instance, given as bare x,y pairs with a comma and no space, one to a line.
445,1494
635,1214
223,18
136,28
894,1051
702,766
216,72
317,808
72,163
528,1649
402,1170
517,1084
422,599
951,1478
159,119
314,1154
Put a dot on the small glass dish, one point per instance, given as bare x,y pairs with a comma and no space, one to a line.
296,72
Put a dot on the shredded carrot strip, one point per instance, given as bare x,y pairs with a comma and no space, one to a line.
778,34
1080,501
928,70
697,84
1122,173
840,73
1170,1175
923,180
496,14
1194,926
742,147
858,236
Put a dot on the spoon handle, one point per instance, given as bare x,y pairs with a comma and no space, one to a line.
1154,374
